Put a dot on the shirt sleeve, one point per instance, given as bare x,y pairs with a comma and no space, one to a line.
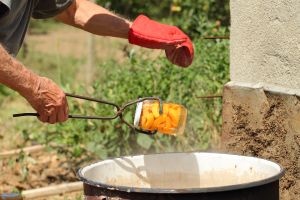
50,8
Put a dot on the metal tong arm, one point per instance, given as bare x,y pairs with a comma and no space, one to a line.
81,116
119,112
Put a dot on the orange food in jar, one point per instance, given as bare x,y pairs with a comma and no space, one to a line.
170,121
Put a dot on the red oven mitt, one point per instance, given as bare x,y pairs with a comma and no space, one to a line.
151,34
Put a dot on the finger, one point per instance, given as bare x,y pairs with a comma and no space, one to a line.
53,117
43,118
61,115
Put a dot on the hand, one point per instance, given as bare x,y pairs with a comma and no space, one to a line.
151,34
43,94
48,100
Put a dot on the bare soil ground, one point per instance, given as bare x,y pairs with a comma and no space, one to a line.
270,142
35,171
23,172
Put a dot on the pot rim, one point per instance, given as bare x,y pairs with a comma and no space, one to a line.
127,189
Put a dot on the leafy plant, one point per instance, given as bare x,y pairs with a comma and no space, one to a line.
142,76
195,17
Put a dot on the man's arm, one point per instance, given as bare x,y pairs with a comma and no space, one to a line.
11,71
95,19
143,31
43,94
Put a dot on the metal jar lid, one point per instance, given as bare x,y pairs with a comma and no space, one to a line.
138,112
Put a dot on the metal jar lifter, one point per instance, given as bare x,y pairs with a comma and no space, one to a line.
167,118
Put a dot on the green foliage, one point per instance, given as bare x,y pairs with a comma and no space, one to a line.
202,17
195,17
4,91
142,76
132,8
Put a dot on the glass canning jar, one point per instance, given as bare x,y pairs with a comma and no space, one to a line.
170,118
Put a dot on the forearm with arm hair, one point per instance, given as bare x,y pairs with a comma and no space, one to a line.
42,93
15,75
95,19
